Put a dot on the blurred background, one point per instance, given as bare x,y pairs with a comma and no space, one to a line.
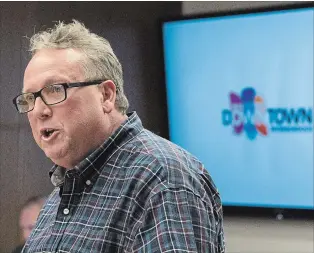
135,33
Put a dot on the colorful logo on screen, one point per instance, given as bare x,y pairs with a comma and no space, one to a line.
249,114
246,114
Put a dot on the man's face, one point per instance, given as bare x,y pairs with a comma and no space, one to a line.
74,121
28,219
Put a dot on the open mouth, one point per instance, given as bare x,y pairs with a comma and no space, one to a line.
47,133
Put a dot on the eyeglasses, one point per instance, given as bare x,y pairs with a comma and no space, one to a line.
51,95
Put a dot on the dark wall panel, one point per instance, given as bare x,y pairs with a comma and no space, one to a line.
131,27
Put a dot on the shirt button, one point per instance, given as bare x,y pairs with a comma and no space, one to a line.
88,182
66,211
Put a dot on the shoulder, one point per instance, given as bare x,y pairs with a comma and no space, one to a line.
162,165
18,249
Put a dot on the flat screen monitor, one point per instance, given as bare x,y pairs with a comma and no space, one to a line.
240,98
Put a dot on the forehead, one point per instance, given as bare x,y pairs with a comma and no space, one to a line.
51,66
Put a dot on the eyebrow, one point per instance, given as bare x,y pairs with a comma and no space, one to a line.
49,81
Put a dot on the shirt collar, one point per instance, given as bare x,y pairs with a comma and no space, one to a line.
90,167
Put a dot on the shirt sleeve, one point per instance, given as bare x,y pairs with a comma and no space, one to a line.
177,220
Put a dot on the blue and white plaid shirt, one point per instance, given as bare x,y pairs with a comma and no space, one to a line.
136,193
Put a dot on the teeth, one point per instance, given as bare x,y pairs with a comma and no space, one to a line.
48,132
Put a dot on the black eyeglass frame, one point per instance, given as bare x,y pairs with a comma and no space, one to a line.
65,86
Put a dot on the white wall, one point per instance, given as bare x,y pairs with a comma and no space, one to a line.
252,235
196,7
249,235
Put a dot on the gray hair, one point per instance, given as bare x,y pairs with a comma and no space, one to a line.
100,62
34,200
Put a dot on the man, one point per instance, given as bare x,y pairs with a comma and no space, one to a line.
118,186
28,216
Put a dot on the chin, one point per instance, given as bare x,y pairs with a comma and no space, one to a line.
53,154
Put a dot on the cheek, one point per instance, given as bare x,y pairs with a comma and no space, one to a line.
83,109
30,119
32,124
26,232
76,116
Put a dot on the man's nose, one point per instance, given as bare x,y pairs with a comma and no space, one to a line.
41,110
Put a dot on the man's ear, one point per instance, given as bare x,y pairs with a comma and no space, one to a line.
108,92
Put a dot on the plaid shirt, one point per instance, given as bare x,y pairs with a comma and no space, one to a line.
136,193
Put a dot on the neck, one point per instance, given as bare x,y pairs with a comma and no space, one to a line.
115,120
